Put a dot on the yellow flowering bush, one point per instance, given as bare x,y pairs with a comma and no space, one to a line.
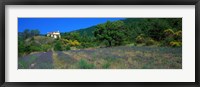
169,32
175,43
140,39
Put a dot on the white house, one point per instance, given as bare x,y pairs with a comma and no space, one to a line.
54,34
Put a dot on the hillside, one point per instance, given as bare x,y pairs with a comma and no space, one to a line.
86,31
90,30
137,26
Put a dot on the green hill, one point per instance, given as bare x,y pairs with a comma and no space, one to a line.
86,31
150,27
165,31
89,31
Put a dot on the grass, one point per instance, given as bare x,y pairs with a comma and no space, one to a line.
106,65
23,65
83,64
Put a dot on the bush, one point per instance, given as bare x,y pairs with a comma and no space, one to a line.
175,44
76,43
87,45
67,47
83,64
73,43
23,64
169,33
150,42
166,41
46,47
106,65
178,35
35,48
58,46
140,39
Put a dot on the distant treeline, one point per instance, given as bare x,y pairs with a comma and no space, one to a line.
130,31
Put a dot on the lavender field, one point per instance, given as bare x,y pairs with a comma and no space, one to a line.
121,57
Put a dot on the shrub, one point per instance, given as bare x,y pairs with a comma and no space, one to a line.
73,43
35,48
67,47
140,39
58,46
169,33
87,45
23,64
76,43
150,42
166,41
106,65
46,47
178,35
83,64
175,44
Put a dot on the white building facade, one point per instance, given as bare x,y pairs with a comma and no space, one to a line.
54,34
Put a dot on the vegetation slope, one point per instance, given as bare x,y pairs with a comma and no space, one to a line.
109,44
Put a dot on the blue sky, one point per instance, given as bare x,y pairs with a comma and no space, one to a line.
59,24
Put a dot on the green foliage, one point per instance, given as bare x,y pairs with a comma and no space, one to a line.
67,48
106,65
178,35
166,41
30,33
86,45
169,33
128,31
112,32
21,48
150,42
151,27
140,39
73,43
58,45
34,44
71,36
83,64
34,32
35,48
46,47
144,31
175,44
173,39
23,64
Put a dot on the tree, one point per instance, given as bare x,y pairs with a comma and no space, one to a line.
30,33
26,33
35,32
111,32
72,36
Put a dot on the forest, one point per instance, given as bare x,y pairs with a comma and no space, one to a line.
134,39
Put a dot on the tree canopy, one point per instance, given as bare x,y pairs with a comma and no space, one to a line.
111,32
